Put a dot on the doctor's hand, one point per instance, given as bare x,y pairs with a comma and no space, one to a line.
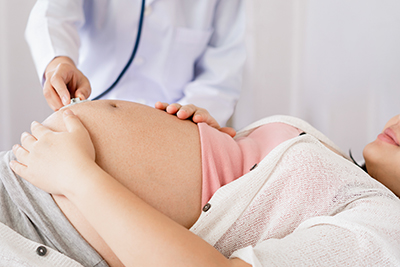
63,82
54,161
194,113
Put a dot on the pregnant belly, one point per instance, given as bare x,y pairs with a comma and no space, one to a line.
153,154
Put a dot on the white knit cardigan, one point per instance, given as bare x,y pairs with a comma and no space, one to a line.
304,205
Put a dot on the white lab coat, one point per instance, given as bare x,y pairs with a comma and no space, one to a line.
190,51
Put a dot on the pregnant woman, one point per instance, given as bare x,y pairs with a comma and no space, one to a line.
136,186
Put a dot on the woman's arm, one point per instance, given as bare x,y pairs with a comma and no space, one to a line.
137,233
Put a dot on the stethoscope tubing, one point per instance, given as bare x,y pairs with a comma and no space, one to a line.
135,48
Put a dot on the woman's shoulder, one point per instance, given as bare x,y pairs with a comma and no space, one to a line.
290,120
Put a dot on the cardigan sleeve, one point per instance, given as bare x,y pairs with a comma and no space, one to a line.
364,234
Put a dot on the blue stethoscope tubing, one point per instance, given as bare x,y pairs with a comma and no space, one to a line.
135,48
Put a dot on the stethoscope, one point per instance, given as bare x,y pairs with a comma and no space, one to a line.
140,26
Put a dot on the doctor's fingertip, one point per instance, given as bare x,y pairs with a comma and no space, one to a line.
80,95
65,100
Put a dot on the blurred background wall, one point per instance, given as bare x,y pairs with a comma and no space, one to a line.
334,63
21,99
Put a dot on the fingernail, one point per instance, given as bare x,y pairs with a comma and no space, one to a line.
68,112
81,97
65,100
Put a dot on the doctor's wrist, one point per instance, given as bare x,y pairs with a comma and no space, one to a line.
58,60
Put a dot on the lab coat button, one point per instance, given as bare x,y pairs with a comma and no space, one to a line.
148,10
206,207
41,251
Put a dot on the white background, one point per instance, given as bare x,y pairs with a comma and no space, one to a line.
334,63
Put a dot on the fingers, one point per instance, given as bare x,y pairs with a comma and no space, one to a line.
21,154
187,111
18,168
228,130
64,81
51,96
202,115
55,91
170,108
197,115
72,122
83,93
38,130
161,105
182,112
59,83
84,89
27,141
173,108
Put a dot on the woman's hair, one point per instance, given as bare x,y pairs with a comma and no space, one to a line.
363,166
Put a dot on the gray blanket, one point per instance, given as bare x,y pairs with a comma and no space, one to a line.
33,214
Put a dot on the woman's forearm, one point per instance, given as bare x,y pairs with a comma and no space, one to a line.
137,233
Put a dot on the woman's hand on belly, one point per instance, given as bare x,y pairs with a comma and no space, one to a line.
66,156
194,113
52,160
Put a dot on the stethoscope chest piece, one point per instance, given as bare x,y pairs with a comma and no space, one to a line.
75,101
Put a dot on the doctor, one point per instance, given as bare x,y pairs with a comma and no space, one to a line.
188,51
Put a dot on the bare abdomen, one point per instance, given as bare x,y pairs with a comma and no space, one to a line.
152,153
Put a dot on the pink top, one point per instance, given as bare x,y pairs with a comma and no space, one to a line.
225,159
